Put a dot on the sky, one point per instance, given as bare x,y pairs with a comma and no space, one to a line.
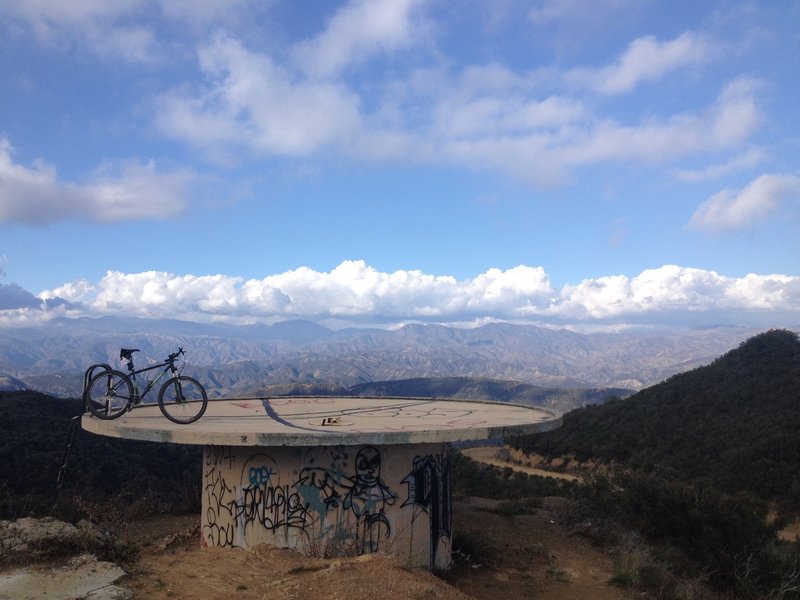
590,164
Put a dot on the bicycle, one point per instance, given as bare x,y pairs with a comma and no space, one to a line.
111,393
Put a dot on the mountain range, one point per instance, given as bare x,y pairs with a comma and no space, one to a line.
244,359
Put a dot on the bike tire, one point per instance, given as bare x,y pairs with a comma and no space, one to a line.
182,399
87,379
109,394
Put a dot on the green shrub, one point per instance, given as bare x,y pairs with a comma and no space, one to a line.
723,535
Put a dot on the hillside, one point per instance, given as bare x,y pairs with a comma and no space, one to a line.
733,423
705,466
33,433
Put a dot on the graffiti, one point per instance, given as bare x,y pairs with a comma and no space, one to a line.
333,499
367,498
219,455
263,500
218,498
409,410
259,475
363,495
273,508
429,490
298,401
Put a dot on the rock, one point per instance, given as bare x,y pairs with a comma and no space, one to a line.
78,576
28,540
82,577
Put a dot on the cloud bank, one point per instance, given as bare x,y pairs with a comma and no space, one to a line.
354,293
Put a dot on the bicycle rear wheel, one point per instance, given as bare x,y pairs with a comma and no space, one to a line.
182,399
109,394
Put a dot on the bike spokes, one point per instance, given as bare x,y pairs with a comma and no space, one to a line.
109,394
182,399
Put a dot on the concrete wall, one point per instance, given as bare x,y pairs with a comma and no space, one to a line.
331,500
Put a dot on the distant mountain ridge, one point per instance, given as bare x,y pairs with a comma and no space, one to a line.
232,359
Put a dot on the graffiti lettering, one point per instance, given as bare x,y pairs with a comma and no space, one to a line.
271,507
259,475
218,531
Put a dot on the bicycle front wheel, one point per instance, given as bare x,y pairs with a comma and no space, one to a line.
182,399
109,394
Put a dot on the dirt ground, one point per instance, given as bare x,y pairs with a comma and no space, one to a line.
516,557
524,556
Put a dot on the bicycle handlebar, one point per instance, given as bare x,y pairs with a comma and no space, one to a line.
175,355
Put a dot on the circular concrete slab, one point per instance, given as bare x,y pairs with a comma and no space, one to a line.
316,421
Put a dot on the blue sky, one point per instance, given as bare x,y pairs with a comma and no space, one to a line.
581,163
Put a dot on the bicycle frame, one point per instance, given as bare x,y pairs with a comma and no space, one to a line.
169,366
138,394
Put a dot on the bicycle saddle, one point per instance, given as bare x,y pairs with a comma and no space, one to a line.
127,353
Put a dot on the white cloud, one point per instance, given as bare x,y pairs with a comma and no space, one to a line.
123,29
547,11
252,101
210,12
35,195
74,291
357,31
657,141
481,116
646,59
354,292
736,210
672,289
745,160
45,16
737,113
504,114
104,27
160,294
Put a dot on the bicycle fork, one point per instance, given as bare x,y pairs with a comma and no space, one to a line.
179,399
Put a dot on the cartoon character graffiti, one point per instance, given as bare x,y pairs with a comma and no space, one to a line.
367,498
365,495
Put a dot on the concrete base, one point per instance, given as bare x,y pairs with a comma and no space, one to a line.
331,500
331,476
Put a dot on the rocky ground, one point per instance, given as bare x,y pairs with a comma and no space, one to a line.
512,557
